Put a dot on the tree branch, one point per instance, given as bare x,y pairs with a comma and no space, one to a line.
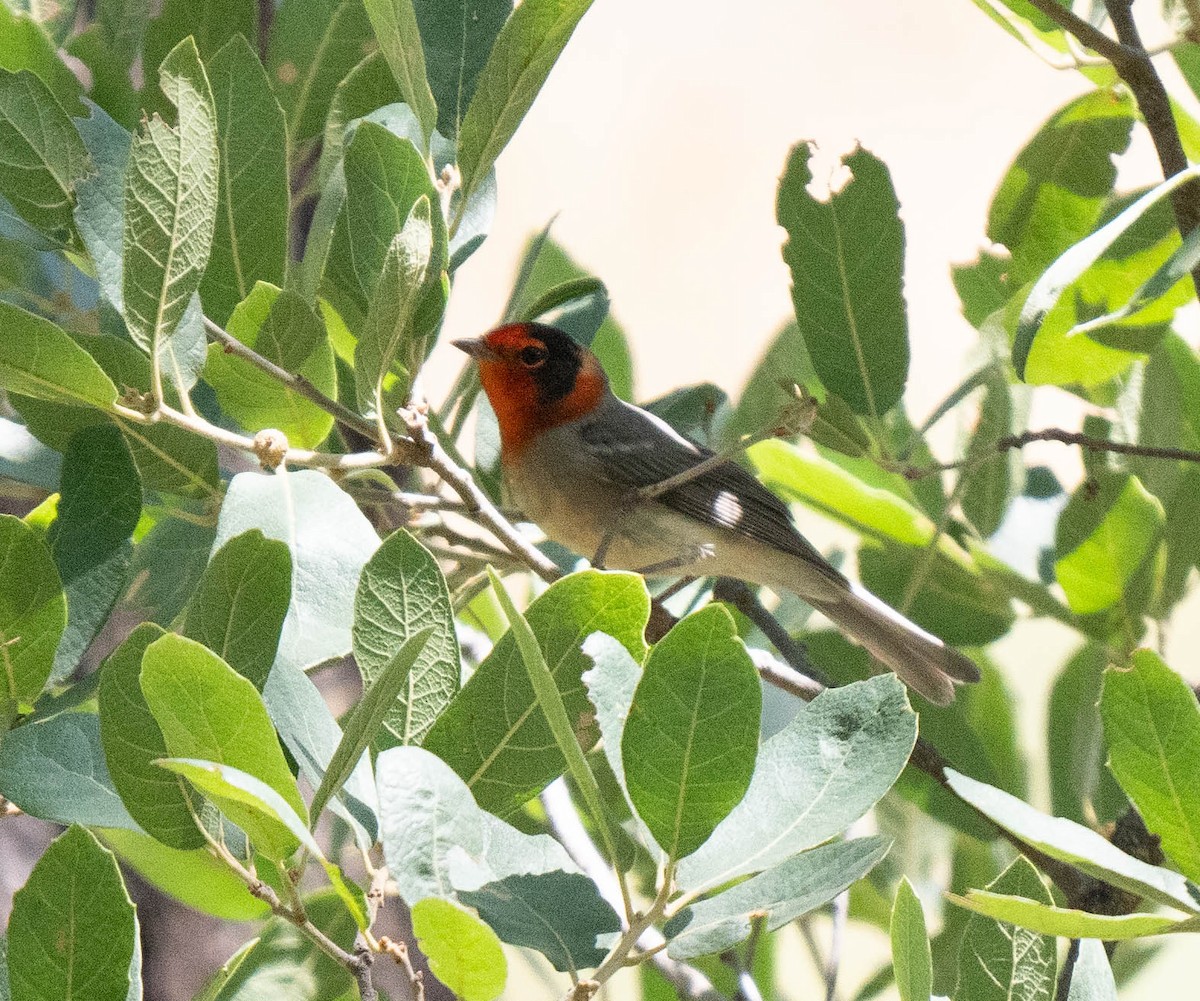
1133,64
1092,37
1138,72
1063,437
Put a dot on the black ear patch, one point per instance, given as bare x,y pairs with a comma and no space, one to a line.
555,378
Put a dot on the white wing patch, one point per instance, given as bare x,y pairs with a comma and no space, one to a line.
727,509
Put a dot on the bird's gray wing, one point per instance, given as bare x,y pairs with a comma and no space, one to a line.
635,449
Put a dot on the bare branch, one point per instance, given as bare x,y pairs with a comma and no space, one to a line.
1063,437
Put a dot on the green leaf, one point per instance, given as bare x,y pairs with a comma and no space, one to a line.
41,156
1048,200
249,243
1169,417
779,895
691,738
1075,261
308,730
1092,978
559,914
195,877
132,742
910,946
395,25
210,23
330,540
385,179
463,952
457,36
101,501
611,682
33,611
390,336
313,47
206,710
827,487
1166,277
813,779
1046,919
955,602
1075,844
494,734
170,459
168,562
99,509
38,359
100,201
111,87
437,841
368,716
282,328
1152,726
226,973
241,603
846,256
170,204
401,592
28,47
525,51
270,823
55,770
1080,786
997,962
1108,529
989,485
72,932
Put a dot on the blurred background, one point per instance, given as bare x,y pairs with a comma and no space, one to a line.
658,142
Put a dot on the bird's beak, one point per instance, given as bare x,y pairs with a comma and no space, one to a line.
477,348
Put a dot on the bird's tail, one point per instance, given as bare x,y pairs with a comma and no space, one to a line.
922,661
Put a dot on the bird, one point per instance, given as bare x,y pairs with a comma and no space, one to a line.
577,460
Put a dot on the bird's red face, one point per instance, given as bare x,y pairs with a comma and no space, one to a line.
536,378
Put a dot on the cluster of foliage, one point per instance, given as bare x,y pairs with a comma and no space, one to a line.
298,184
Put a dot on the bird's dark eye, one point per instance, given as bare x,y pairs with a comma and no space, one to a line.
533,356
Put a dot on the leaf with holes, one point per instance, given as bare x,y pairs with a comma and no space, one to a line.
846,256
998,962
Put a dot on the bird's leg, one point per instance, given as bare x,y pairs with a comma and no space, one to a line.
695,555
623,508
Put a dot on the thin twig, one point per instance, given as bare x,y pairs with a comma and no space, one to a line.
742,597
431,455
565,822
221,436
296,383
1063,437
399,952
